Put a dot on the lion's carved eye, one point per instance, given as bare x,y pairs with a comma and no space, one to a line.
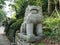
34,11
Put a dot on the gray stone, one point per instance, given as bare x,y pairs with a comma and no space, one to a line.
39,29
31,28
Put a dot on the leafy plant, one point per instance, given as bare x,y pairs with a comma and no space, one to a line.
17,24
41,44
52,29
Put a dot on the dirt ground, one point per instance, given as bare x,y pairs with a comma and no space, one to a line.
49,41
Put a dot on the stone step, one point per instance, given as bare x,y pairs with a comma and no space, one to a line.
13,43
17,39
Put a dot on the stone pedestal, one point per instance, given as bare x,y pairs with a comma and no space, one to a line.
25,43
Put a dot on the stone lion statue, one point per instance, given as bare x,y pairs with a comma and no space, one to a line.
31,28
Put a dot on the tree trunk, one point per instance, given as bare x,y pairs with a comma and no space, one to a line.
49,7
59,4
56,8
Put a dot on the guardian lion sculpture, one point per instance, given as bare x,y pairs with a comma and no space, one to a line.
31,28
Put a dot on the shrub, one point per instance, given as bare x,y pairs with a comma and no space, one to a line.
41,44
11,35
7,25
52,29
17,24
13,27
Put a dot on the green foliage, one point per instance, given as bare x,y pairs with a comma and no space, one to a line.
53,27
8,30
52,22
13,16
12,26
41,44
2,15
10,34
7,25
44,5
17,24
20,7
35,2
1,3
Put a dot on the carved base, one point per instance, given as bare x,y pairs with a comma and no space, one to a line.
22,42
25,43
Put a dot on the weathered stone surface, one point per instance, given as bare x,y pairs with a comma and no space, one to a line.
32,22
31,28
17,39
33,14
